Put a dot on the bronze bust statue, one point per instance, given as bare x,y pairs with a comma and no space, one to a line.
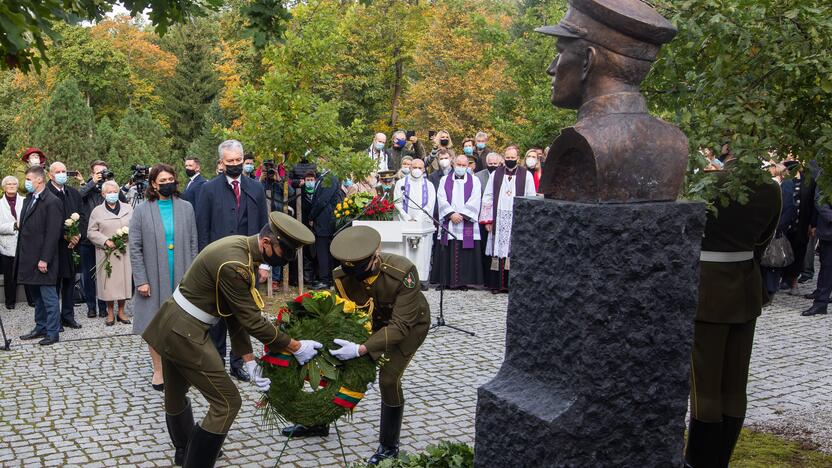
616,152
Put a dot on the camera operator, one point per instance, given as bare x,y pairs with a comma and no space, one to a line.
272,178
91,198
138,184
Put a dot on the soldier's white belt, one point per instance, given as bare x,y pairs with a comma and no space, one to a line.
193,310
725,257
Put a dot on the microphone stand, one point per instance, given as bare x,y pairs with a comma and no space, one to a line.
440,321
6,341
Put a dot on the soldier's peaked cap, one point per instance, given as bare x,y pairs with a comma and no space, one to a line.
290,230
627,27
355,244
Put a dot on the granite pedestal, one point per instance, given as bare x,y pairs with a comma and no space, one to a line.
598,337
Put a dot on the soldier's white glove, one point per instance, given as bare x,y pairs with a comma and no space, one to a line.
256,374
347,351
308,349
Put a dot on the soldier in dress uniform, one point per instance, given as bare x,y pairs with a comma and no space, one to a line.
388,285
386,183
220,285
730,300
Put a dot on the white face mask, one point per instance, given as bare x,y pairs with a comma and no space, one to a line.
531,163
405,170
444,163
460,171
416,173
34,160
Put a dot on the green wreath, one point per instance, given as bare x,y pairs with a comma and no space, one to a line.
324,389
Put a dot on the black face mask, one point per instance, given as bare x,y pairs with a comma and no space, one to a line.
279,260
234,170
492,168
359,271
190,172
444,142
511,164
167,190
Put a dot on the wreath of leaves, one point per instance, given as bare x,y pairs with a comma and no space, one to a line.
296,395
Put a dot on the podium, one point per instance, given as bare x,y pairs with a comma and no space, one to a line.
411,239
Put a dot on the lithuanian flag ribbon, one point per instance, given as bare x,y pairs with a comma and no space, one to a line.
347,398
277,359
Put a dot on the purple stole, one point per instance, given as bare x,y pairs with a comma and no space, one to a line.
519,186
407,193
467,226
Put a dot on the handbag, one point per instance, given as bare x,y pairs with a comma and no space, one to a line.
778,254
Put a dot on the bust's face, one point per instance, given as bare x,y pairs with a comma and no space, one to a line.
566,70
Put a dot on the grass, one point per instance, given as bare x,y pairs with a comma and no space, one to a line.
762,450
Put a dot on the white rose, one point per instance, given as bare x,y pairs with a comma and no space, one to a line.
126,230
68,223
75,216
120,231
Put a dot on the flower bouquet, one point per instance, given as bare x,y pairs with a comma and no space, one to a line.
118,249
324,389
351,207
72,229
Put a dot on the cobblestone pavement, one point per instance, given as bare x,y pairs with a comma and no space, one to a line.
89,402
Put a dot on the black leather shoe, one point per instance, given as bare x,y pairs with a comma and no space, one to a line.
299,430
48,341
388,438
180,427
804,279
203,448
33,335
91,314
816,309
71,324
811,296
10,306
320,286
102,313
240,374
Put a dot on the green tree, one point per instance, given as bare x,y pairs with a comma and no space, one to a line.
140,139
194,85
105,135
65,128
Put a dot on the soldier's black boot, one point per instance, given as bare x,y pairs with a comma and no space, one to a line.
203,448
180,427
704,444
390,427
731,428
299,430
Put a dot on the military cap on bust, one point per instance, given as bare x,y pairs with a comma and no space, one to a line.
627,27
355,244
290,230
386,175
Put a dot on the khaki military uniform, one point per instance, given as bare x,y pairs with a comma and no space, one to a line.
401,318
731,294
220,283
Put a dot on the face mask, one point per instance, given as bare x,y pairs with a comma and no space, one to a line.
167,189
248,168
190,172
310,186
278,260
379,146
385,187
400,143
468,150
460,171
30,187
60,178
112,198
348,183
417,173
444,163
444,142
359,271
405,170
34,161
480,145
511,163
233,170
492,168
531,163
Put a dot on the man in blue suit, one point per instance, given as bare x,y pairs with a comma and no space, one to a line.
231,204
195,181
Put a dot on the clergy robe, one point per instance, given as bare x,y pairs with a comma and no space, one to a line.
498,211
421,193
458,262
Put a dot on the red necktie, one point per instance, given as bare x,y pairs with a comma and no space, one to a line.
235,184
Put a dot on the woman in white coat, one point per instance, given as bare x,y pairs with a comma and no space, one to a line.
10,206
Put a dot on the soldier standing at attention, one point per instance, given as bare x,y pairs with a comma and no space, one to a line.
730,300
388,286
220,285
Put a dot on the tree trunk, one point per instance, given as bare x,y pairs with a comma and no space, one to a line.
397,89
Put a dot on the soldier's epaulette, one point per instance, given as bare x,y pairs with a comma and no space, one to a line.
393,271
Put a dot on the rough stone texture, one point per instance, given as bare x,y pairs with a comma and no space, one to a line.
598,337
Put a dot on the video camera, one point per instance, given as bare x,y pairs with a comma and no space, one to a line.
139,177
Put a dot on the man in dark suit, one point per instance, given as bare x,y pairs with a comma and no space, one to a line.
195,181
231,204
70,200
36,260
321,196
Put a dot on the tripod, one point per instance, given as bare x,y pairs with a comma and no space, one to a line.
440,321
6,341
